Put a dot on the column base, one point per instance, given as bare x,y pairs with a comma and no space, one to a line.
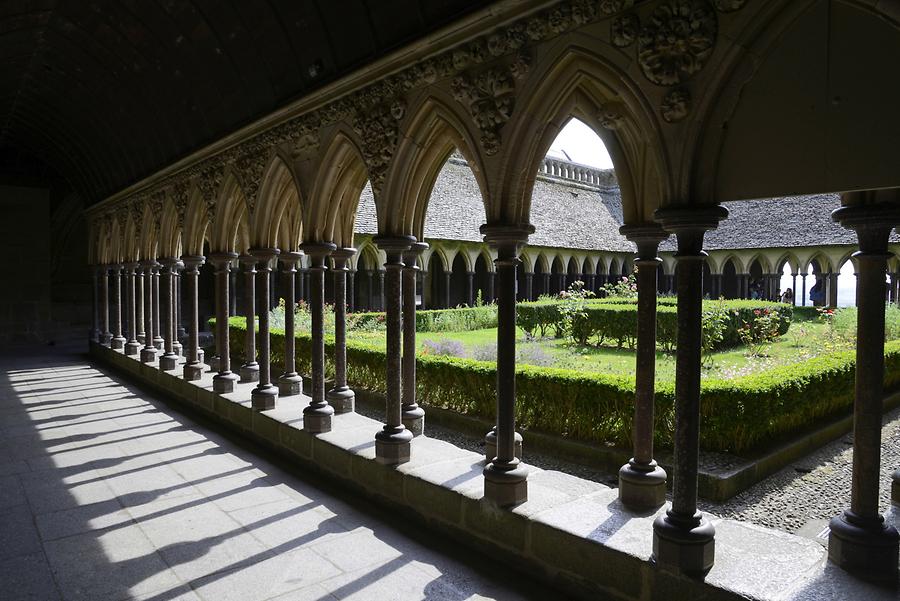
148,355
117,343
159,343
213,363
895,488
193,371
106,339
642,487
223,382
201,355
249,372
140,338
168,362
263,397
490,446
392,446
506,485
688,548
414,420
177,348
132,349
342,399
866,548
289,384
317,420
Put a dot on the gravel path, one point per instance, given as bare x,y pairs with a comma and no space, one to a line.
815,487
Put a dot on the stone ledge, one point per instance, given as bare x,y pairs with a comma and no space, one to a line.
572,532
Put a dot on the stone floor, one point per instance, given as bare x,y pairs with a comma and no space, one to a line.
107,493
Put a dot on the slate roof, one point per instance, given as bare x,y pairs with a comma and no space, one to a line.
572,215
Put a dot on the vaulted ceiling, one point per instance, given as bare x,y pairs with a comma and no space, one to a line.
105,92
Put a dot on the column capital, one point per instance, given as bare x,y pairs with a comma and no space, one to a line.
193,261
168,262
264,256
394,246
340,257
507,240
221,259
317,253
689,223
410,256
289,261
646,236
871,222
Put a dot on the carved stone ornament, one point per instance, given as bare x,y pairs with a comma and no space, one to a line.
624,30
676,105
611,115
676,41
209,182
249,167
729,6
379,130
611,7
180,200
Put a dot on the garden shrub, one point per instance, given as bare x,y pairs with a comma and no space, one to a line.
737,415
462,319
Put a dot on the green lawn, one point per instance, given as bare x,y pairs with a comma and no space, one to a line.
803,341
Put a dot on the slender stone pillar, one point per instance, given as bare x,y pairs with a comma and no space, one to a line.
529,286
317,416
392,443
118,340
793,289
470,288
289,382
860,541
139,302
178,327
381,299
447,279
341,397
833,288
169,359
158,340
351,290
803,278
224,380
249,371
683,538
547,283
193,367
642,483
265,394
105,334
132,346
232,286
95,329
149,352
412,415
505,479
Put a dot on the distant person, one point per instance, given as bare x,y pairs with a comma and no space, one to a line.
788,297
817,294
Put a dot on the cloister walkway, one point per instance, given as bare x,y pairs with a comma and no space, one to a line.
106,493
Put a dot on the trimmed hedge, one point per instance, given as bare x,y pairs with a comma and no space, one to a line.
616,319
737,415
462,319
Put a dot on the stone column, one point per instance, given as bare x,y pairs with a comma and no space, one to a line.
860,541
833,288
470,288
369,293
289,382
803,278
149,352
381,299
547,283
411,414
139,303
265,393
528,294
351,289
132,346
392,443
491,278
193,367
642,483
105,333
118,340
317,415
95,329
249,370
683,538
158,340
232,286
794,289
224,380
588,281
895,288
448,275
341,397
169,360
505,479
178,328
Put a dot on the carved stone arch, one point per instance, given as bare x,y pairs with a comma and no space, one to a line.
579,83
116,241
823,261
761,258
847,255
432,133
482,250
340,177
131,241
367,255
668,264
150,229
822,126
170,244
278,190
290,228
788,257
196,222
542,261
230,231
528,258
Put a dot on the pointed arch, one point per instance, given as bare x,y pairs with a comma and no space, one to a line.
278,192
230,231
131,242
169,231
330,214
196,222
581,84
435,130
149,232
116,241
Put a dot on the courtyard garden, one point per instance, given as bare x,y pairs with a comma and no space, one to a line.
770,370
